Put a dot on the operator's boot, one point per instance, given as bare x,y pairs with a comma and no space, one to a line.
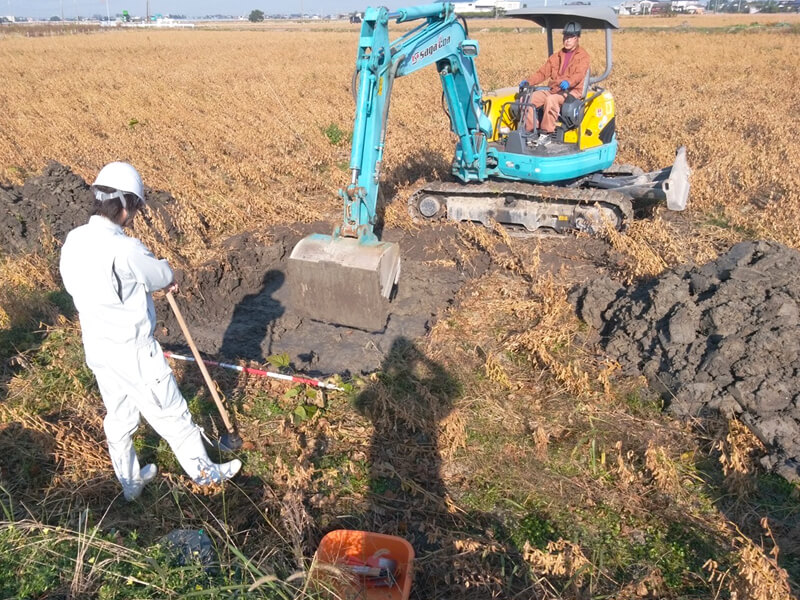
146,475
223,471
192,455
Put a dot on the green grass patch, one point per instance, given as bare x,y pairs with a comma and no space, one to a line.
336,135
37,561
536,529
57,374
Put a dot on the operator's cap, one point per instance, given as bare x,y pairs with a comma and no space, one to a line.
118,180
572,29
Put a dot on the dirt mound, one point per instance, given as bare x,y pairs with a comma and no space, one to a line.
237,305
240,307
723,337
50,205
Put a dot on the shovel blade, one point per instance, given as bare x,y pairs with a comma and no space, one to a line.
343,281
230,442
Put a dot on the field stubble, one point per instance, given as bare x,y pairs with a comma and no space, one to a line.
232,123
595,492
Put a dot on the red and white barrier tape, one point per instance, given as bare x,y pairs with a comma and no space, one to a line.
260,372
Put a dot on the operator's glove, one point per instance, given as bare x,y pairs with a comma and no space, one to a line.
564,85
523,84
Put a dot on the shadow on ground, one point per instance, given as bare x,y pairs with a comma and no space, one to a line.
252,324
407,496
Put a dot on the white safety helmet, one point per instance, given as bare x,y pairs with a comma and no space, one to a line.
121,178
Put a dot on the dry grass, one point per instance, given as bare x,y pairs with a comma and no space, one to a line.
24,282
757,576
214,117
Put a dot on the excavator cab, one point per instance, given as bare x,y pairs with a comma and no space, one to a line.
585,122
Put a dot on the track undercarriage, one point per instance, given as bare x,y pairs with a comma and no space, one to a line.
590,204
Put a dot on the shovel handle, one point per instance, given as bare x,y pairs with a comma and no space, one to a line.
209,383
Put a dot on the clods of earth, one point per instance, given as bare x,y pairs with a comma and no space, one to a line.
238,306
723,337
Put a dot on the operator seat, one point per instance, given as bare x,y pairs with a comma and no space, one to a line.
572,109
570,117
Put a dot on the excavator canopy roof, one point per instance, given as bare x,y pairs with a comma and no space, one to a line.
589,17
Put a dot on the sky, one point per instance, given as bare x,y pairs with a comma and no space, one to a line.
190,8
198,8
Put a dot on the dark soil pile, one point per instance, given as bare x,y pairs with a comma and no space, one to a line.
719,338
50,205
237,306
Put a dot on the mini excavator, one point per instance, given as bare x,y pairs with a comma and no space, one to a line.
500,173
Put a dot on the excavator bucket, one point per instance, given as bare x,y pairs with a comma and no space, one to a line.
343,281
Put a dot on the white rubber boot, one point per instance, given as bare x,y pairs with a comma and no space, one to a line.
192,456
219,473
146,475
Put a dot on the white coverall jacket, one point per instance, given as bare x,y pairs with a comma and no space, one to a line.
110,277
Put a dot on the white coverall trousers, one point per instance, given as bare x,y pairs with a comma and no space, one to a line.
138,382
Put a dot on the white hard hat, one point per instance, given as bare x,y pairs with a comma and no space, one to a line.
120,177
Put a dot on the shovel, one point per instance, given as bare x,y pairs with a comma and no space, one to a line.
230,440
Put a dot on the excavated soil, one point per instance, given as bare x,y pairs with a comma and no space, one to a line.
50,205
723,337
237,307
240,308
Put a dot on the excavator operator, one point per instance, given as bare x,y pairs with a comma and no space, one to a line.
565,72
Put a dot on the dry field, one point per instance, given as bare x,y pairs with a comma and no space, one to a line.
235,121
597,492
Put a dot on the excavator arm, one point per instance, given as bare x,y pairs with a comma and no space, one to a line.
441,41
347,277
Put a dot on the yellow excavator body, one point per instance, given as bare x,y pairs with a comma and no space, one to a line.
598,112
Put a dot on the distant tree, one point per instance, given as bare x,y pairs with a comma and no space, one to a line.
256,16
54,18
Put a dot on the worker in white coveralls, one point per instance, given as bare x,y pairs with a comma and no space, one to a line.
111,278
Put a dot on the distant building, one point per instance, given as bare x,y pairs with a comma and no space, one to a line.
636,7
687,6
489,7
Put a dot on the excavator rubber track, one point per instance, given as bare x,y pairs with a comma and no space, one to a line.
522,208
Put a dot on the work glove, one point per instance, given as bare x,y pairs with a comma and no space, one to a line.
564,85
523,84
